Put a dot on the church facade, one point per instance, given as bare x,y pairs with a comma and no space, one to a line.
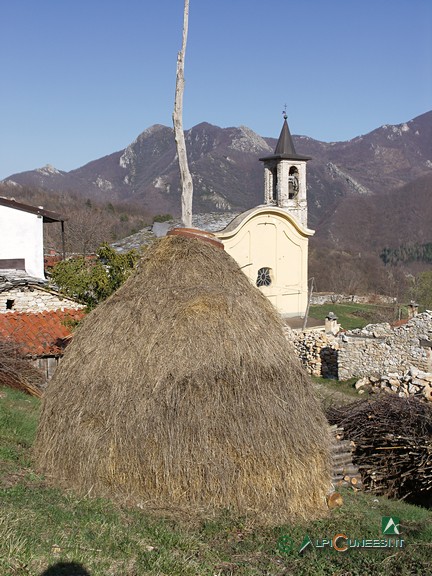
270,242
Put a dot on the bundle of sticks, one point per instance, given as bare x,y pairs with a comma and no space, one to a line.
17,372
392,444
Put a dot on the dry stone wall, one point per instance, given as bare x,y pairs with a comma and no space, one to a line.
317,352
34,299
320,298
379,349
375,350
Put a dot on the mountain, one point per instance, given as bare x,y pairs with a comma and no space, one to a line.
362,191
224,163
390,219
371,165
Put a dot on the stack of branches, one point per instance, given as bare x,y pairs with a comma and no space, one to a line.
392,440
17,372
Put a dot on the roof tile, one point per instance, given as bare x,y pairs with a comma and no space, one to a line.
39,333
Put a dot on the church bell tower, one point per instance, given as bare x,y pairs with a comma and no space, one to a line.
285,177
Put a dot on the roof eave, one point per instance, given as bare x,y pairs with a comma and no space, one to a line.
285,157
47,215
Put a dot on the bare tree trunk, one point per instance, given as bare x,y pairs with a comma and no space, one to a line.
185,175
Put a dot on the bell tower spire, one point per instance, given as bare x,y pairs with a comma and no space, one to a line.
285,176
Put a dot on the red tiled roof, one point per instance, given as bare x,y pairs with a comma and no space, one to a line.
398,323
39,333
50,260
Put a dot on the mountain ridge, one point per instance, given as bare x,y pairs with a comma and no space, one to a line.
346,179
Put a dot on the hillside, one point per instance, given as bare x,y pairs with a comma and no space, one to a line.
394,217
73,534
364,194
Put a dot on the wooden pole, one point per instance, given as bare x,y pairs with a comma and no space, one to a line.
63,240
308,305
185,175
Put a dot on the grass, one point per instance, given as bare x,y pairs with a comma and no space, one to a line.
336,392
345,387
352,316
41,526
18,421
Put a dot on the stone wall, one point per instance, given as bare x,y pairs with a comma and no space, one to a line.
379,349
374,350
319,298
317,352
34,299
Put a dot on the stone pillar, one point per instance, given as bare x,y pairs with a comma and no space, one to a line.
412,309
302,195
331,324
268,185
282,184
301,167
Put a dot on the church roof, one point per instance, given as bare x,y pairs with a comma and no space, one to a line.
268,210
285,149
285,143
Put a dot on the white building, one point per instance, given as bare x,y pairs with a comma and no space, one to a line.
21,236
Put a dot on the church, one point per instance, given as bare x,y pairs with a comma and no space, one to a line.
270,241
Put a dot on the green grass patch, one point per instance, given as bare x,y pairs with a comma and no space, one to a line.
345,387
351,316
19,415
41,526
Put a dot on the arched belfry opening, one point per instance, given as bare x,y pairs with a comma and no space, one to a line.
293,183
274,184
285,177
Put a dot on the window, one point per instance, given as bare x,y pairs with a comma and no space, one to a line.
293,183
263,277
10,304
274,185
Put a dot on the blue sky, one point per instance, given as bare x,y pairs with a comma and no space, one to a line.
81,79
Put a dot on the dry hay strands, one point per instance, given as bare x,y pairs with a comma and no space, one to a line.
180,391
17,372
393,444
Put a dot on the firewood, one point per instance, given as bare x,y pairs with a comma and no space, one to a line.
392,445
334,500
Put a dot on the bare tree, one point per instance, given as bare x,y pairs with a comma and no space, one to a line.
185,175
86,229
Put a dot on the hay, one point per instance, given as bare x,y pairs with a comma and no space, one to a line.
181,391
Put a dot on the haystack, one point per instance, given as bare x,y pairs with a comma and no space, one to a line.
180,391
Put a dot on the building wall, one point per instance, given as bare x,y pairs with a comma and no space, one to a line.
35,299
270,238
22,237
372,351
47,366
380,349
